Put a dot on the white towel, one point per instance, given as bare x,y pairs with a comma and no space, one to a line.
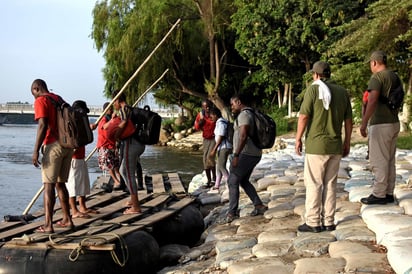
324,93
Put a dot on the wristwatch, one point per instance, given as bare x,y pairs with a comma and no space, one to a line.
235,155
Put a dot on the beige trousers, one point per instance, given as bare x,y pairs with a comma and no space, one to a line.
321,174
382,149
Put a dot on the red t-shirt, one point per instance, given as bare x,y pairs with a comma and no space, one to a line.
79,153
365,97
44,108
103,139
208,127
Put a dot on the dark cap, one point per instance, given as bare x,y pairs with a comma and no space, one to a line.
80,104
321,67
379,56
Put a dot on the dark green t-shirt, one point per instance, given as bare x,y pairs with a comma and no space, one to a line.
382,82
324,128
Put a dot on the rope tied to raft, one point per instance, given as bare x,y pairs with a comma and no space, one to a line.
92,240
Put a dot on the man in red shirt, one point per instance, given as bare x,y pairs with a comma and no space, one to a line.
205,123
56,160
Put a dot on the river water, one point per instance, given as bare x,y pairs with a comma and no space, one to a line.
20,180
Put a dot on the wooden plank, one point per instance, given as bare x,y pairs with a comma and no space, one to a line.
65,246
146,207
176,183
40,213
123,231
158,185
104,212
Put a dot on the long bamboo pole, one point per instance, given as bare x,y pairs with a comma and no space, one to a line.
139,68
115,98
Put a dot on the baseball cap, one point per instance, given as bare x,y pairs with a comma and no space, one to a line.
321,67
379,56
80,104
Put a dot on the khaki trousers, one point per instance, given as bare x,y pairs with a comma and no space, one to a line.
321,174
382,149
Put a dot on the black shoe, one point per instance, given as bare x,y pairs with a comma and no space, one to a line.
140,188
228,219
328,227
259,210
390,198
371,200
308,228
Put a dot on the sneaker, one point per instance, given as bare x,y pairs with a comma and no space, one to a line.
328,227
308,228
228,219
390,198
259,210
371,200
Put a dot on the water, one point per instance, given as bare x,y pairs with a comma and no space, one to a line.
20,180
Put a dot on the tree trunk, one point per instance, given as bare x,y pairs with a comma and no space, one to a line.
290,110
405,118
285,94
279,99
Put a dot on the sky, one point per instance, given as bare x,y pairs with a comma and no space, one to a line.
50,40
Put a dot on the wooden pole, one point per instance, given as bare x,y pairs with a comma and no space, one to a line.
139,69
114,99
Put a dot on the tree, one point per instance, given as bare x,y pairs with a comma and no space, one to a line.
386,26
197,54
285,37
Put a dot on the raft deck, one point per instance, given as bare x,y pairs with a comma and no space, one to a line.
100,232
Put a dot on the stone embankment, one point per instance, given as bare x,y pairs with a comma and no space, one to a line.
367,239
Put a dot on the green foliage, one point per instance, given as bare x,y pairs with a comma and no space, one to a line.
283,124
261,46
386,26
404,141
285,37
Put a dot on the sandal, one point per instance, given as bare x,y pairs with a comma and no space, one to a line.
81,215
60,224
41,229
92,211
131,211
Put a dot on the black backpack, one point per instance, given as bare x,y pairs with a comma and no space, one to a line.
395,97
148,124
265,129
72,124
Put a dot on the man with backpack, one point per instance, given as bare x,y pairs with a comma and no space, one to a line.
131,149
325,107
246,155
383,129
55,163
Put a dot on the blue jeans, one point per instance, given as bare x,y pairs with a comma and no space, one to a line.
239,176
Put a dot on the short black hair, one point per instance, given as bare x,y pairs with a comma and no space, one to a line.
244,98
215,111
121,98
40,84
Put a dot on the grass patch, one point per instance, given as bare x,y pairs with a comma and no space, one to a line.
404,141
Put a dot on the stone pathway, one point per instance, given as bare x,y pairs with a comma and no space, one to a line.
367,239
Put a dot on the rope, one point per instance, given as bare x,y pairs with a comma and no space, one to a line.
80,249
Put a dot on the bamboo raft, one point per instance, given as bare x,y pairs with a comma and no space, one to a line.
102,230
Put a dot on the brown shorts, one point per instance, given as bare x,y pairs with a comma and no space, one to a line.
55,163
208,145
